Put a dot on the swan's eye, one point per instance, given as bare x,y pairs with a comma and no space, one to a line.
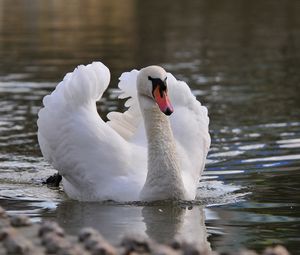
157,82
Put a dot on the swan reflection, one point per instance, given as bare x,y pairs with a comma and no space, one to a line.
162,223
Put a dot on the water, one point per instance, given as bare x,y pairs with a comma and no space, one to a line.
241,58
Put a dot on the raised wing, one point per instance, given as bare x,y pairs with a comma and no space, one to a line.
92,157
189,123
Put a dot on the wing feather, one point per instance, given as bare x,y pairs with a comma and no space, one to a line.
127,123
189,123
68,122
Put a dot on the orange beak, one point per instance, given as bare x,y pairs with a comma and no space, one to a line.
163,101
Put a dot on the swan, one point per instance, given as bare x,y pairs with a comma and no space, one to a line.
155,150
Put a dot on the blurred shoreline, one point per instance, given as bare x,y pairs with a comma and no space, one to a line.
18,235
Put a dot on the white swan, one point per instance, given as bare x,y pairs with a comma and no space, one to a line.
141,154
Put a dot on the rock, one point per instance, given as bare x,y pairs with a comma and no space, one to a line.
137,244
95,243
164,250
86,233
92,241
277,250
4,221
50,226
103,248
15,243
20,221
7,231
3,213
54,243
175,244
188,248
191,249
247,252
74,250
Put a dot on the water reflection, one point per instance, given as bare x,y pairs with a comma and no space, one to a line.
162,223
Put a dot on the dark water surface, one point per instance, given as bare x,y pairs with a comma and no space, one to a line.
241,58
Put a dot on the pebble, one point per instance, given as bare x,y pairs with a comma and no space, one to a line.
103,248
91,241
164,250
74,250
137,244
15,243
190,249
247,252
95,243
277,250
3,213
175,244
20,221
86,233
50,226
5,232
54,243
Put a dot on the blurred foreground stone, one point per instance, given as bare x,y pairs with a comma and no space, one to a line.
19,236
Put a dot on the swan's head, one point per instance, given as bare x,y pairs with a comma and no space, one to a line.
153,89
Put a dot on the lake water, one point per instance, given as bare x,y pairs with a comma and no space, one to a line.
241,59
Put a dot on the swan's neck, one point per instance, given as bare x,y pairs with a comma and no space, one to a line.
163,180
